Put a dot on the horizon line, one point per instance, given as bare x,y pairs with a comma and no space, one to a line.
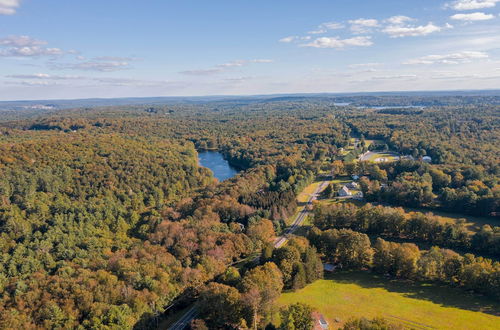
256,95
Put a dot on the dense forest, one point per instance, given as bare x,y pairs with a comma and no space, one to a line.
107,221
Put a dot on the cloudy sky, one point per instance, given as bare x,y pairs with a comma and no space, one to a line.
124,48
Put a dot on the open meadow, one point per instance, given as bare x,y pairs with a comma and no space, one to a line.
342,296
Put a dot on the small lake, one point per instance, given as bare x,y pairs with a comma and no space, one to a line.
217,164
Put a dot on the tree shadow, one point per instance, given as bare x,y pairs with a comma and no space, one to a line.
302,231
301,204
147,321
320,178
438,293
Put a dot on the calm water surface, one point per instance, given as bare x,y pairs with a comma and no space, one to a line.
219,166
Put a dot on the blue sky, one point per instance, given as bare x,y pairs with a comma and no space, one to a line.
122,48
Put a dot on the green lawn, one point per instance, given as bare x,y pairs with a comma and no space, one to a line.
385,156
370,142
416,305
342,180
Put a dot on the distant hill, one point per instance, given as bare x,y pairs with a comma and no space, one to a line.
359,99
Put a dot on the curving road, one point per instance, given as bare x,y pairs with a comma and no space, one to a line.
300,217
192,313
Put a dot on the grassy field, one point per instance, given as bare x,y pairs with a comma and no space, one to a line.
381,156
370,142
345,200
415,305
473,223
304,196
302,199
342,180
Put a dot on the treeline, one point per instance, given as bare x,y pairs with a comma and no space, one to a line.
459,135
298,262
105,217
243,306
74,211
280,196
462,141
246,298
463,189
352,250
107,230
396,223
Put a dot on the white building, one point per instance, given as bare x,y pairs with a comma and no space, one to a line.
352,185
344,192
322,322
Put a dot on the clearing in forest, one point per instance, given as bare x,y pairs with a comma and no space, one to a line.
416,305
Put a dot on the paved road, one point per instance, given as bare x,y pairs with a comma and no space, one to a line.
185,320
192,313
300,217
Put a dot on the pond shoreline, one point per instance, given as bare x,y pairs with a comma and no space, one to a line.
221,168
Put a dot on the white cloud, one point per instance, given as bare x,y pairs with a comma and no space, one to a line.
332,26
263,60
231,64
127,82
43,76
32,83
113,58
20,41
44,79
364,22
100,64
202,72
33,51
472,4
238,79
472,17
223,67
24,46
397,31
444,75
398,20
364,65
294,39
400,76
335,42
9,7
455,58
324,27
288,39
363,25
320,31
104,66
